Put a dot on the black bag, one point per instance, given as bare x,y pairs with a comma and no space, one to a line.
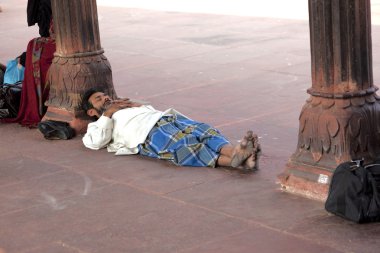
10,95
55,130
354,192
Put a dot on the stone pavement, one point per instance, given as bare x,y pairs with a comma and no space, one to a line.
236,73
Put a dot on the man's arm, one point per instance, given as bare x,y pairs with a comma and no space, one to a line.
99,133
120,104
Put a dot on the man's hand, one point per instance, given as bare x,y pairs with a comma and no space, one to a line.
119,104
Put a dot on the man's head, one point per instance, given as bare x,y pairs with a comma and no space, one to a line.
95,102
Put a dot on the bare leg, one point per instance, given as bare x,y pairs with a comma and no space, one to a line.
227,150
224,161
226,153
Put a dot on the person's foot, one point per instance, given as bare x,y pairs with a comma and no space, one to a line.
252,162
240,155
244,150
253,146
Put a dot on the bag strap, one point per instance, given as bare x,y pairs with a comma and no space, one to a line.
17,84
371,165
7,86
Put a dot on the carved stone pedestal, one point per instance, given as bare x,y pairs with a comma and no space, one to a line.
71,76
332,131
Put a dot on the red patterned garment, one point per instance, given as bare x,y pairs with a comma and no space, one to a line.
35,91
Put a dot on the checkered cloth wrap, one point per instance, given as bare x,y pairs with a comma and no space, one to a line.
184,142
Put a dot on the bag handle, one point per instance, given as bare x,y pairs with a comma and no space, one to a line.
356,164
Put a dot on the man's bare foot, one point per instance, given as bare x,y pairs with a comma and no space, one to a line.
248,139
252,141
252,162
254,147
244,150
240,154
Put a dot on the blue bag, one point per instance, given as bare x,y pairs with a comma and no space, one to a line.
14,72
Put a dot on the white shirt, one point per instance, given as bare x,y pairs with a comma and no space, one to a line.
125,130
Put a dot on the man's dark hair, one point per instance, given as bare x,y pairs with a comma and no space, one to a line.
86,105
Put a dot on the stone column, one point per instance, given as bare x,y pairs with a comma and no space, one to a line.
341,119
79,62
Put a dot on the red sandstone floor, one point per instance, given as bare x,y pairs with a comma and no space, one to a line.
235,73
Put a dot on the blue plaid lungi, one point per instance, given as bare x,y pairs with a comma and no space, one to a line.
184,142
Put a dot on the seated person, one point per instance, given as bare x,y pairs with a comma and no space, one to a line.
127,127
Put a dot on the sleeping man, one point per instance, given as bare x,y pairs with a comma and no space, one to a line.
126,127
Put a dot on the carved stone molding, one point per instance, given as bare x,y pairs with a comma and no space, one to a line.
336,130
73,75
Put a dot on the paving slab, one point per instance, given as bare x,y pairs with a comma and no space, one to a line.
233,72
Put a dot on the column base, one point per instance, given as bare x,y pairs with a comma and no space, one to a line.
306,180
77,122
332,131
